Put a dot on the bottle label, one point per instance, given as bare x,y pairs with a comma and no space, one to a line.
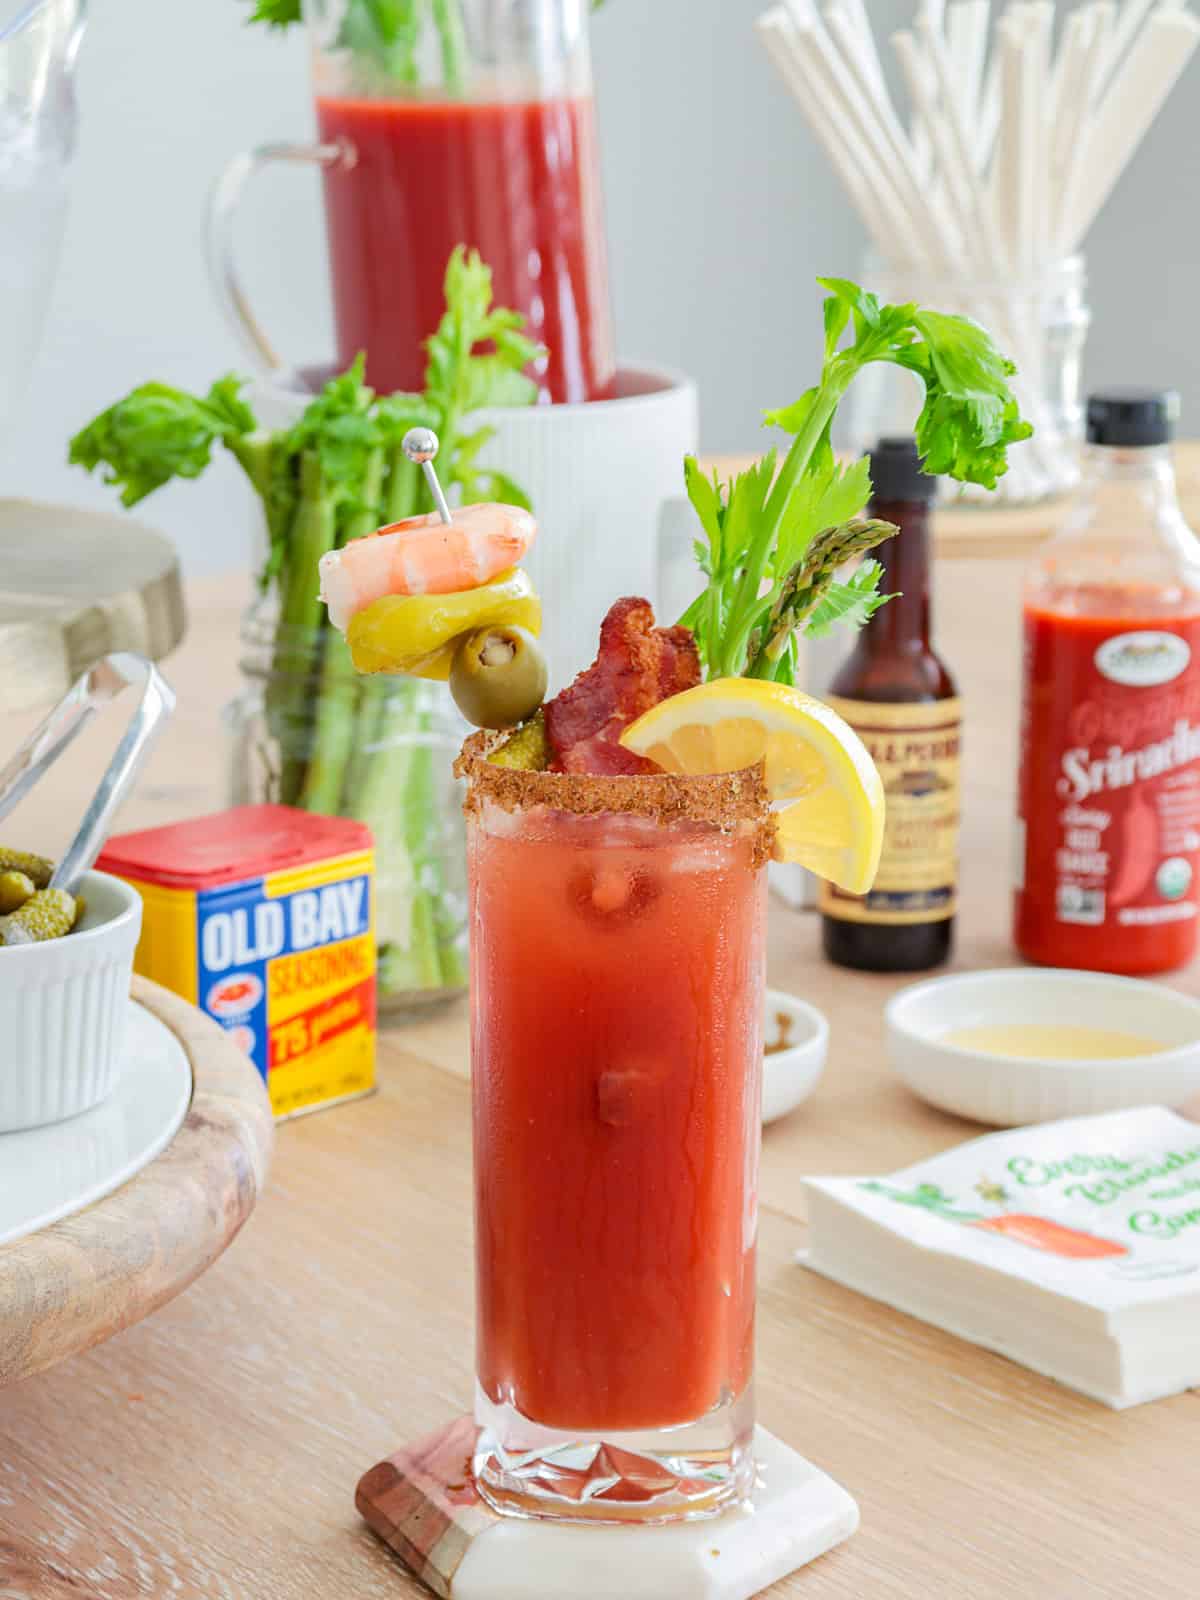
916,748
1110,778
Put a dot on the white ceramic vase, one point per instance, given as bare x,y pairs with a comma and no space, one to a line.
598,476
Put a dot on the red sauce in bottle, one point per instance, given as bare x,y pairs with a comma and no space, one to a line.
1108,857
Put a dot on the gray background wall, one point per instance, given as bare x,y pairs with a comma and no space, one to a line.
721,212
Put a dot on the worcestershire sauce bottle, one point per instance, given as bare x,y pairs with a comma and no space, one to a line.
898,696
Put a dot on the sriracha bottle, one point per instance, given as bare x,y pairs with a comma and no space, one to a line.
1108,831
898,695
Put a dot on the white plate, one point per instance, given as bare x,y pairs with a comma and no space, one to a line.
50,1173
1012,1091
790,1076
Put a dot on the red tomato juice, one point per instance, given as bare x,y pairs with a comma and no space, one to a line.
1109,798
617,1004
519,182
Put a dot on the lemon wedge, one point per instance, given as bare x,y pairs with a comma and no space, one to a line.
828,793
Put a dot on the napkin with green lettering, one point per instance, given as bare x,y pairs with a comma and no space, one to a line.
1073,1247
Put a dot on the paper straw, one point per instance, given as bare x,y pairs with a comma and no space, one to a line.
1076,123
879,124
960,157
1038,49
863,32
1069,78
880,203
989,114
967,37
1125,26
922,85
1004,178
921,202
918,128
1133,100
847,154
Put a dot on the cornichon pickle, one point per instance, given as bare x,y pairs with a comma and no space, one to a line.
15,888
528,749
36,868
47,914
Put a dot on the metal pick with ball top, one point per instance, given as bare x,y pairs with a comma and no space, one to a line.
421,447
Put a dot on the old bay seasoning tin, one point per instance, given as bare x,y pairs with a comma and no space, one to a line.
263,917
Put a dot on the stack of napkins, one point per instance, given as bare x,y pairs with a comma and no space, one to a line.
1073,1247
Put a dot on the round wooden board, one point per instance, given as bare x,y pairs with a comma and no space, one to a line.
77,1283
74,585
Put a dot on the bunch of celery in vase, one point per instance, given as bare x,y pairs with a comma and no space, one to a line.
384,37
348,746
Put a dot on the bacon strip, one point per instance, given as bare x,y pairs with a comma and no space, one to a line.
637,666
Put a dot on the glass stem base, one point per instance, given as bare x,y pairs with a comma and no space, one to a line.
696,1469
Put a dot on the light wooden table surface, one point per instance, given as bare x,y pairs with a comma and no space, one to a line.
211,1452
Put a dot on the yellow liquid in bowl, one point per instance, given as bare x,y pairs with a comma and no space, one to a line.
1053,1041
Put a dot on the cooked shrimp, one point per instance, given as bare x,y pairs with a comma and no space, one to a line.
424,555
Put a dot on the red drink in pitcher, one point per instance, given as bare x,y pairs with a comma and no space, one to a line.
516,180
1109,798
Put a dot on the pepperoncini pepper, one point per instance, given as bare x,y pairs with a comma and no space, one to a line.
419,634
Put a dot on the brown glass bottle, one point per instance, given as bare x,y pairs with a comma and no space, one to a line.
898,694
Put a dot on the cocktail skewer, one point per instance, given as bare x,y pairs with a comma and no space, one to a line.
421,446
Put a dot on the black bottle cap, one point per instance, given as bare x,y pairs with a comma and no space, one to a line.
1132,418
896,472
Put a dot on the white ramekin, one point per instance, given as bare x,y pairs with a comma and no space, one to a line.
1013,1091
790,1075
62,1010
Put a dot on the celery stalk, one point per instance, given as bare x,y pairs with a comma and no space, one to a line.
295,668
339,692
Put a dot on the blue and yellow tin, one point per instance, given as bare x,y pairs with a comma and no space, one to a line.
263,917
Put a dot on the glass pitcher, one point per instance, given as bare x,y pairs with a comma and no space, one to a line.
38,45
467,121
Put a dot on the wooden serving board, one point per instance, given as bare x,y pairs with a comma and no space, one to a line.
79,1282
74,585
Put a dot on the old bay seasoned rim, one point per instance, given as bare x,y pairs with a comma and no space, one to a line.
1010,1090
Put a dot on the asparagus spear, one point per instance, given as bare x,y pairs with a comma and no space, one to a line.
807,584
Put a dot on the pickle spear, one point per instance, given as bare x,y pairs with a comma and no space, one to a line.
15,889
36,868
47,914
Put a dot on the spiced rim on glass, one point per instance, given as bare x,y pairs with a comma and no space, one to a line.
618,839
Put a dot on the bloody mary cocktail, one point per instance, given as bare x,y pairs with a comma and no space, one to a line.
617,1003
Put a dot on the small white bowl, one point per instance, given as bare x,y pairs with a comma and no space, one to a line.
63,1006
790,1075
1010,1091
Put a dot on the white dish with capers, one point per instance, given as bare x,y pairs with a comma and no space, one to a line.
63,1006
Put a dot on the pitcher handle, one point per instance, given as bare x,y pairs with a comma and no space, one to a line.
223,205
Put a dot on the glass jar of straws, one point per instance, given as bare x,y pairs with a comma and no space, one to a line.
1042,323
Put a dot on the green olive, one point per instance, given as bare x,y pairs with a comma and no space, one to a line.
499,676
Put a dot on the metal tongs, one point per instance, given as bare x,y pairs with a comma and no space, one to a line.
104,682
